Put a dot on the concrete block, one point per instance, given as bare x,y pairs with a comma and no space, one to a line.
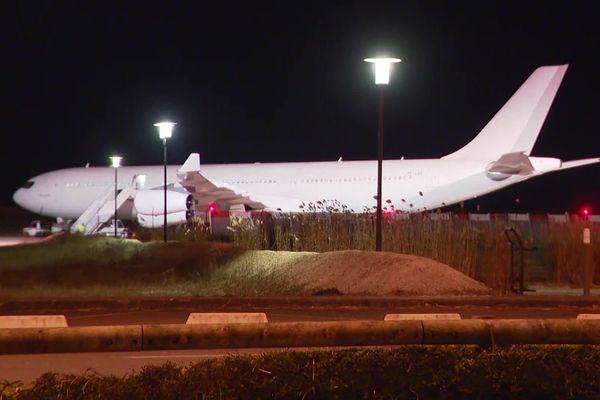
588,316
479,217
558,218
226,318
32,321
402,317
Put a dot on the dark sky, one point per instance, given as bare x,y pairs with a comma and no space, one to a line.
285,81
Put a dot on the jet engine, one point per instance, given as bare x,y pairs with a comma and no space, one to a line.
148,208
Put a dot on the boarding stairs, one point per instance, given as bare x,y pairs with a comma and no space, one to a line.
101,210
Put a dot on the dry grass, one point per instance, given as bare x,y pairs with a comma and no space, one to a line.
477,249
464,246
566,250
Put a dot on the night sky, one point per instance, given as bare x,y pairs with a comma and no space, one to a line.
285,81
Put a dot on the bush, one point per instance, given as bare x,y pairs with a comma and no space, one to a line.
442,372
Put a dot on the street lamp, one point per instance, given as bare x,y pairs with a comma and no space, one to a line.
116,162
164,132
383,66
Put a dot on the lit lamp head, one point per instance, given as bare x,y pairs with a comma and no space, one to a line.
383,66
115,161
165,129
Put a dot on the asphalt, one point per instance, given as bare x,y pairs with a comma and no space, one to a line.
540,299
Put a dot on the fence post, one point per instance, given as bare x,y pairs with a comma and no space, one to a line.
587,261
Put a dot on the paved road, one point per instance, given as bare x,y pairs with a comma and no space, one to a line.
28,367
179,316
125,312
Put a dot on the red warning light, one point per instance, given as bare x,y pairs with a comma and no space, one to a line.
585,212
517,200
212,208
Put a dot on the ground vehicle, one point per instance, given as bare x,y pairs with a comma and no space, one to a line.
36,228
108,229
60,226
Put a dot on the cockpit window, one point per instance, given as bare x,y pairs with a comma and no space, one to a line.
28,184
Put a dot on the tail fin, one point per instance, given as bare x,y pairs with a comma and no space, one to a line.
517,125
192,164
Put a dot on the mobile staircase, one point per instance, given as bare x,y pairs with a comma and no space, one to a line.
101,210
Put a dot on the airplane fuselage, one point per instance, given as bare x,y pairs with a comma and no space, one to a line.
406,184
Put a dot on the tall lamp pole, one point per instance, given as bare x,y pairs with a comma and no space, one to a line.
383,66
116,163
165,129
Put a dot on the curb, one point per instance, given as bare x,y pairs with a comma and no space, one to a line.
299,334
71,340
283,334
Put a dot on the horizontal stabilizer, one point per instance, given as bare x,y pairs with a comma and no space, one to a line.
579,163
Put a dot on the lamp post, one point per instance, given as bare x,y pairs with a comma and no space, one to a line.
383,66
165,130
115,162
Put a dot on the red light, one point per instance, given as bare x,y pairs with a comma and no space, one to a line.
212,209
517,200
585,212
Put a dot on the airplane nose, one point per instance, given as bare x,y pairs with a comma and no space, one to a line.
18,197
22,200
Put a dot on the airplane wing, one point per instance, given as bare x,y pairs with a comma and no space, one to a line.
207,191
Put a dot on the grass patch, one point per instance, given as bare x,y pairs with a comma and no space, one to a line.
258,272
437,372
69,249
87,266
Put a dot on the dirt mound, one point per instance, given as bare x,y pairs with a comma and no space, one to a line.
355,272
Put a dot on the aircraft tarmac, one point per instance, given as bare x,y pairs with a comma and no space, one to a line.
16,240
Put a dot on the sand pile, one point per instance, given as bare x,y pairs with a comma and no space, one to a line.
368,273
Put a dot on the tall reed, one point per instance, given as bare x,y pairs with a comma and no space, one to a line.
477,249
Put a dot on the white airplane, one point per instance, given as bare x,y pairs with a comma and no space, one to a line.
497,157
